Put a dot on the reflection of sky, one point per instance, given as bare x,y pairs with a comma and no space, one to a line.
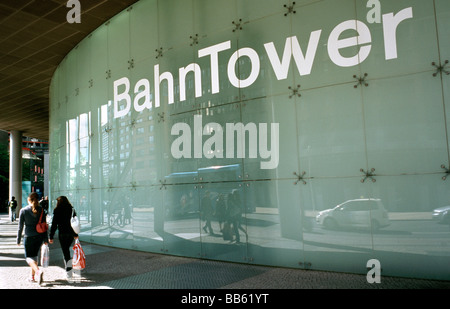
78,139
104,114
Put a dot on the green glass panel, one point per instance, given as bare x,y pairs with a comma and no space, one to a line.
170,64
340,239
404,135
144,147
443,26
178,169
147,218
273,223
216,164
415,230
216,88
274,30
323,16
207,19
175,22
71,63
99,49
143,30
331,131
118,44
218,240
401,44
282,158
145,93
83,72
256,9
83,210
119,228
182,223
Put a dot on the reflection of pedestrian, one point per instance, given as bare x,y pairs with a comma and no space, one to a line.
206,212
44,203
221,210
126,210
235,214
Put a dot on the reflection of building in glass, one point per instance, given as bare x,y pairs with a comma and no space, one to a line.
362,117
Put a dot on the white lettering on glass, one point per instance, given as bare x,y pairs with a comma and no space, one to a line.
361,42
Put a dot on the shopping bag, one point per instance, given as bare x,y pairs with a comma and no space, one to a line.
75,223
45,256
79,259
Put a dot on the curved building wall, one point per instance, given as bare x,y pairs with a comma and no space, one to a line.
174,110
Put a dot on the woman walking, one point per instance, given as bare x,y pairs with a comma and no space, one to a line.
62,214
29,216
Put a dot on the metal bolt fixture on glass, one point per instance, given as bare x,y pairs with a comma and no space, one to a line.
290,9
237,25
295,91
300,178
133,185
163,185
447,172
130,64
440,68
368,174
161,117
194,39
361,80
159,52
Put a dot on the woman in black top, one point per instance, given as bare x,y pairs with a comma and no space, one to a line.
62,214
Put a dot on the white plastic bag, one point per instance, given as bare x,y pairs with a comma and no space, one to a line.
75,223
45,256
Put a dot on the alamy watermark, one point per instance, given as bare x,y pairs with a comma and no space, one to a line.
374,14
184,146
74,14
374,273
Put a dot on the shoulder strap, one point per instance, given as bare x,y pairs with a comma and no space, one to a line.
42,212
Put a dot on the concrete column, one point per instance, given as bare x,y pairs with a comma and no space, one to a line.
15,168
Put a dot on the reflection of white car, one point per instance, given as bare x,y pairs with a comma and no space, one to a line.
442,215
355,213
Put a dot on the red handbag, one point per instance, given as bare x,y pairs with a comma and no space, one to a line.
41,227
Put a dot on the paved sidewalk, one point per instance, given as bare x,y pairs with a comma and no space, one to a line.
111,268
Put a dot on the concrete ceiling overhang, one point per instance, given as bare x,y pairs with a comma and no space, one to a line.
35,36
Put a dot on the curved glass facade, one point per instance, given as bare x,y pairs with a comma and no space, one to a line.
310,135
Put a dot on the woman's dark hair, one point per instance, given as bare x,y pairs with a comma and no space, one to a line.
62,203
34,200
